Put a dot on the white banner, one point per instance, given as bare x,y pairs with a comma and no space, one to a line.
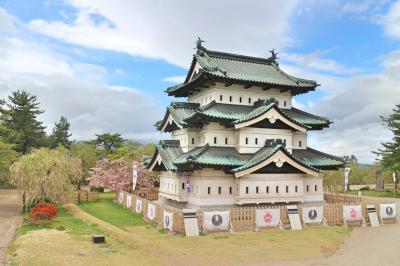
313,214
134,176
151,211
352,212
121,197
128,201
218,220
168,220
268,217
346,177
394,177
387,210
138,208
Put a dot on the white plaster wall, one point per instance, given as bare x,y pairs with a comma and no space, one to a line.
297,137
219,131
171,187
206,95
312,194
185,137
262,134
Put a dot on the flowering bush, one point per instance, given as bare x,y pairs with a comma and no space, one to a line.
43,211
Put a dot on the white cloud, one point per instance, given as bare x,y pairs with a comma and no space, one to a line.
160,29
391,21
6,21
174,79
356,111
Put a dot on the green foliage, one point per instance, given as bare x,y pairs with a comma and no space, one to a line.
89,155
61,135
7,157
46,172
110,142
18,116
110,212
132,152
389,156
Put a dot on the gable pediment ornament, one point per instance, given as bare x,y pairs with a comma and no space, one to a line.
279,162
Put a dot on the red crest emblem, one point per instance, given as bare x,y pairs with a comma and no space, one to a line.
268,217
353,213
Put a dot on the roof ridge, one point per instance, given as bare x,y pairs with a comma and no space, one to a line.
238,57
326,154
294,79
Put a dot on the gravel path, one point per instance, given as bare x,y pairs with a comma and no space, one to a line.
10,219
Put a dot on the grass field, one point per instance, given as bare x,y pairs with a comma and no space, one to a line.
374,193
66,241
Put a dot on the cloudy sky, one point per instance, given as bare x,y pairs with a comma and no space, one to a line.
105,64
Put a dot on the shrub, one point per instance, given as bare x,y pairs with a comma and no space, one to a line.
36,201
43,211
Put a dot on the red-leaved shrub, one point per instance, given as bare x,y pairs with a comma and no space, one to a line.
43,211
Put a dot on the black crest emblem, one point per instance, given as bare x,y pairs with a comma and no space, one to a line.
389,210
167,221
312,214
216,220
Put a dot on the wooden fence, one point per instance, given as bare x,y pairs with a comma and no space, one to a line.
77,197
244,218
147,193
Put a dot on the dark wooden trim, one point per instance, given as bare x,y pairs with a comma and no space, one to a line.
248,86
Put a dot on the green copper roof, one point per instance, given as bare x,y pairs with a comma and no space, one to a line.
239,69
190,115
230,159
317,158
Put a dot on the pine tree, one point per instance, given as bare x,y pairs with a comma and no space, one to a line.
19,114
109,142
389,156
60,135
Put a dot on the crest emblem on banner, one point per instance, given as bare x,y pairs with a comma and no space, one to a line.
268,217
216,220
151,211
353,213
168,216
138,208
312,214
389,210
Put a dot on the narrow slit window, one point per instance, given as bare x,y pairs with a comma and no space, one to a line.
240,99
308,188
226,141
247,190
316,188
284,103
192,141
249,100
230,98
220,98
215,140
230,190
257,190
256,141
247,140
219,190
300,143
183,186
209,190
287,189
267,189
277,189
296,189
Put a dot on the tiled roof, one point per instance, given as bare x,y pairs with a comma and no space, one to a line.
318,159
187,114
228,157
239,68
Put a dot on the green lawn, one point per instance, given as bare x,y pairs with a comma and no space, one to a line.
106,210
373,193
63,222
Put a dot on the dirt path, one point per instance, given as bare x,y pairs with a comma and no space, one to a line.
10,219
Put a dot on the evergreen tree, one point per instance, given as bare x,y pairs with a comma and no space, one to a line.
389,156
109,141
60,135
19,114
